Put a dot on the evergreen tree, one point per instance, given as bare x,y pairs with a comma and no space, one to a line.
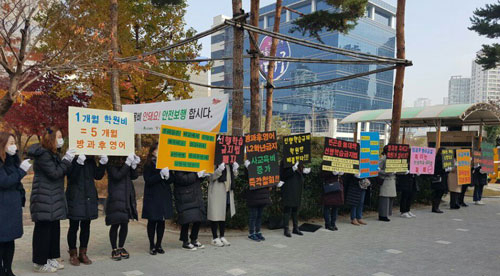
485,22
343,18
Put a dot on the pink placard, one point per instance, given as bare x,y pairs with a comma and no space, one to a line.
422,160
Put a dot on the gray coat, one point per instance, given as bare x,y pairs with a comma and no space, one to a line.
48,201
218,196
388,188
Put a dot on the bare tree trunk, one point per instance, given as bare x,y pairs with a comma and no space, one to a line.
272,65
237,106
115,76
255,104
400,72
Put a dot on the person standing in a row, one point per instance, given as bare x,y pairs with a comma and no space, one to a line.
407,185
257,200
157,203
48,202
332,198
355,198
479,179
439,182
292,180
82,198
453,186
12,198
387,190
221,201
190,206
121,205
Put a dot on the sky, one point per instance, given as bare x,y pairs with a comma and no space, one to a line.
437,40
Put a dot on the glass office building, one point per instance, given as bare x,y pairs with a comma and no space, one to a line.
374,34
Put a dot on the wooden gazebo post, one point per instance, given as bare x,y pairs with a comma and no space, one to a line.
438,134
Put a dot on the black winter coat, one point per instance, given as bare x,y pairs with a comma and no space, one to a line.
406,182
48,201
121,205
188,197
332,199
478,178
258,197
353,196
291,191
11,199
157,202
81,192
440,172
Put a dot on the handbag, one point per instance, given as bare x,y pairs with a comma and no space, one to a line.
332,187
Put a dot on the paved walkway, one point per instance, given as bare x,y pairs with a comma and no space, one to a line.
458,242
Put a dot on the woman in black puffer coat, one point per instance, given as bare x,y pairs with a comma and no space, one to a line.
121,205
190,205
12,198
48,202
157,202
82,198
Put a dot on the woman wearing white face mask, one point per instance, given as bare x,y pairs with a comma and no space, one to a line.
48,201
11,200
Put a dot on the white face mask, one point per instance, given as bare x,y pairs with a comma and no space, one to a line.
60,142
11,150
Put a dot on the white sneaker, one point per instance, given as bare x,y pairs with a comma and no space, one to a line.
480,202
189,246
225,242
406,215
55,264
217,242
412,214
46,268
198,245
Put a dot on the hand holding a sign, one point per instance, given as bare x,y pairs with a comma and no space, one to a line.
25,165
235,167
335,172
295,167
306,170
136,162
165,173
70,155
247,163
202,174
103,159
221,167
130,159
81,159
280,184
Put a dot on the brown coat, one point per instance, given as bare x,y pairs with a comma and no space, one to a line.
453,181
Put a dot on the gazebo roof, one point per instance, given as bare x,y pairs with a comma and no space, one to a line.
449,115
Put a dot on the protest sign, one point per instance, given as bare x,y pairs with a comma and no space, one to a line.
397,158
487,162
100,132
369,154
206,114
447,157
262,152
296,148
340,156
464,166
229,149
182,149
422,160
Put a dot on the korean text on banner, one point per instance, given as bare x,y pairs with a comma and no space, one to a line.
464,166
206,114
487,160
297,148
447,157
397,158
100,132
340,156
182,149
369,154
262,152
230,149
422,160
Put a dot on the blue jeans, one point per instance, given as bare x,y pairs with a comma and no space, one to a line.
330,214
478,192
357,211
255,219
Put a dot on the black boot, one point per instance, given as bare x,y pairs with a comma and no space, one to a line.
435,206
286,232
386,219
296,231
295,220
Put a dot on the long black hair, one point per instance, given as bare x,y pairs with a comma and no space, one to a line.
150,157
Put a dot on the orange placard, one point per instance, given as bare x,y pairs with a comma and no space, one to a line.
464,166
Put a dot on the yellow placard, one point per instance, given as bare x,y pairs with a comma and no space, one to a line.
464,166
100,132
182,149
